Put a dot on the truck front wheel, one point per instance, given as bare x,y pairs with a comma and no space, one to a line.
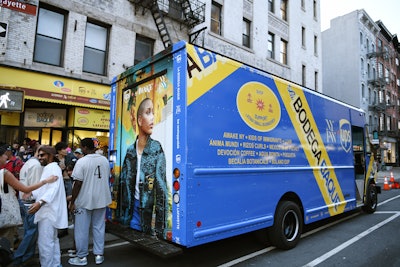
371,199
288,224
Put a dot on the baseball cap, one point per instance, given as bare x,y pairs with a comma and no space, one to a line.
78,150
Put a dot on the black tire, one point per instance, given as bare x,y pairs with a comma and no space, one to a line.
288,225
371,199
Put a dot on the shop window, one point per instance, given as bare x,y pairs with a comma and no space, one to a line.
95,52
143,48
49,40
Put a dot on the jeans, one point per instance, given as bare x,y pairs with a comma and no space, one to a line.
26,248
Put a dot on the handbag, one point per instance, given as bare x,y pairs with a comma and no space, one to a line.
10,214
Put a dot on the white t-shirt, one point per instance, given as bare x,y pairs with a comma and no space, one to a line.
53,194
30,173
94,172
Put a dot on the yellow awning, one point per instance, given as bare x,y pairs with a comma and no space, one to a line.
56,89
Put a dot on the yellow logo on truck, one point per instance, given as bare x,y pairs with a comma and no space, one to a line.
258,106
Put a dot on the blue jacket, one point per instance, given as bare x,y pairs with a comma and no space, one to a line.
152,187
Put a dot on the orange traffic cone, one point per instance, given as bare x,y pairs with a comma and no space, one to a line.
392,181
391,178
386,184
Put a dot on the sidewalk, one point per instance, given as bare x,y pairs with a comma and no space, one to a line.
66,243
381,174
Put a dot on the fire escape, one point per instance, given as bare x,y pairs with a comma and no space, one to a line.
381,105
189,12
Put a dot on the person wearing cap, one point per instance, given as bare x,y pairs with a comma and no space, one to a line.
78,153
13,164
50,209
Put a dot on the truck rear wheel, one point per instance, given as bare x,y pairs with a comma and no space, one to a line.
371,201
288,225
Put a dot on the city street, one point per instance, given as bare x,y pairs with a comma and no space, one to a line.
356,239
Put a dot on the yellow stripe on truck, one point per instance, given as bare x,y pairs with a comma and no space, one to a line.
201,64
314,148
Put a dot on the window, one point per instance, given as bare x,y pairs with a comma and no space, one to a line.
271,44
246,33
303,75
283,58
49,41
380,47
216,18
315,45
284,10
315,9
361,39
143,48
362,90
95,52
271,6
316,81
362,66
303,37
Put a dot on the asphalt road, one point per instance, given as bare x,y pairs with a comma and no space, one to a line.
355,239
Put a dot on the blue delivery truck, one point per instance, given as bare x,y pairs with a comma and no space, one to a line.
204,148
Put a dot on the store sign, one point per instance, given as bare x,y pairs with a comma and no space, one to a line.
35,117
19,6
11,100
91,118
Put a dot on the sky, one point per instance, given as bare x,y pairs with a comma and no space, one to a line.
385,10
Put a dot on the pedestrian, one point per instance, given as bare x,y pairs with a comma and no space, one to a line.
90,196
50,210
11,181
64,159
29,175
78,153
14,165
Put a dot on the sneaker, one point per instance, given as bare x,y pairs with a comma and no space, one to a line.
71,253
71,226
78,261
99,259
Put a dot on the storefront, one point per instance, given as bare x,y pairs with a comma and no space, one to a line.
53,108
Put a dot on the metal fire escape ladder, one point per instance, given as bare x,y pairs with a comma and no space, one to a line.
161,25
192,16
158,18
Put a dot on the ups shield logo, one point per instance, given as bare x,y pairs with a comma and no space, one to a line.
345,134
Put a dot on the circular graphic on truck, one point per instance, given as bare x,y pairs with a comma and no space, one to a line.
258,106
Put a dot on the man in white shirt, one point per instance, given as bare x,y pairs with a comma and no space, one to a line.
50,209
30,174
90,196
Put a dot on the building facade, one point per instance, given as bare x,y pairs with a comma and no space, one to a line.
57,58
362,70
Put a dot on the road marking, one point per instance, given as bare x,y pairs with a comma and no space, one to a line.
268,249
351,241
388,200
247,257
